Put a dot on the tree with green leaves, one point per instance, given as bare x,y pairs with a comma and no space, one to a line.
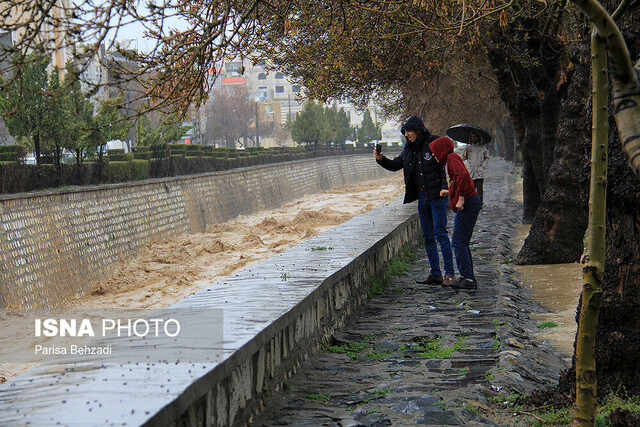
107,125
56,119
368,131
342,126
52,117
23,104
339,124
167,130
78,111
69,117
331,121
310,126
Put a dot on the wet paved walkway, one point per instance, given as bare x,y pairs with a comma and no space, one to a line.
429,355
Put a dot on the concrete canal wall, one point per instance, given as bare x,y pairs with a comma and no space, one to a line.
55,244
276,313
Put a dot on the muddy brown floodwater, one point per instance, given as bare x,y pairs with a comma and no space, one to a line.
555,287
169,270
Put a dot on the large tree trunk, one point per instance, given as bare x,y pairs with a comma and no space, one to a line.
558,228
530,189
557,231
505,139
618,335
528,88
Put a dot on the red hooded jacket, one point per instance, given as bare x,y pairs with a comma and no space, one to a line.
460,182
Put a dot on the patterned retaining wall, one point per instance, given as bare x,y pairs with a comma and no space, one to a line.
55,244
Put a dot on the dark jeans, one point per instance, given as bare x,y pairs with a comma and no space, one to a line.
463,225
433,220
478,184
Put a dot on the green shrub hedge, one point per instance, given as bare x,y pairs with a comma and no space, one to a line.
119,157
148,162
142,155
177,149
139,169
117,171
194,150
12,153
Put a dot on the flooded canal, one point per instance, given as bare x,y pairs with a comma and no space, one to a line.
557,288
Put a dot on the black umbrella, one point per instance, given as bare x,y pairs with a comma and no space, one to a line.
462,131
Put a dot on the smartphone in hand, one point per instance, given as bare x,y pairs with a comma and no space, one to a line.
378,149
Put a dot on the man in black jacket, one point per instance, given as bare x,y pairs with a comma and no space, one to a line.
425,181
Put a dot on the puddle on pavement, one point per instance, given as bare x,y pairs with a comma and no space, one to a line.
557,288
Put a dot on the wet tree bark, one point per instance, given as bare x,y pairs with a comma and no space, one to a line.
558,227
36,144
618,336
557,230
528,88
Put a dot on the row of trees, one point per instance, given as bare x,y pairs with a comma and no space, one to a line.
534,58
47,114
233,118
316,125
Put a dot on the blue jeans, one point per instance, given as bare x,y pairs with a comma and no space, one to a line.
433,220
463,225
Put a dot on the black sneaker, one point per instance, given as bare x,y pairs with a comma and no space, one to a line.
431,280
464,283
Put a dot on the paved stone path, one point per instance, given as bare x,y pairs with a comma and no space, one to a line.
429,355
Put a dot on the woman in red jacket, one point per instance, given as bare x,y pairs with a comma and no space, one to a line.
463,200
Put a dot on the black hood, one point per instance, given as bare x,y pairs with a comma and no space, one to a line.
414,123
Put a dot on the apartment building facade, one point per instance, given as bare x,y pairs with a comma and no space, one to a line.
278,97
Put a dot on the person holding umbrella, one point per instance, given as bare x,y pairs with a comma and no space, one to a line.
465,203
476,157
475,154
426,182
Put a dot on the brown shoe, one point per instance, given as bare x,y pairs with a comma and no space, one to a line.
448,280
431,280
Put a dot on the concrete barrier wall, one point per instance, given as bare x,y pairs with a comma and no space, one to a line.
271,324
232,393
55,244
